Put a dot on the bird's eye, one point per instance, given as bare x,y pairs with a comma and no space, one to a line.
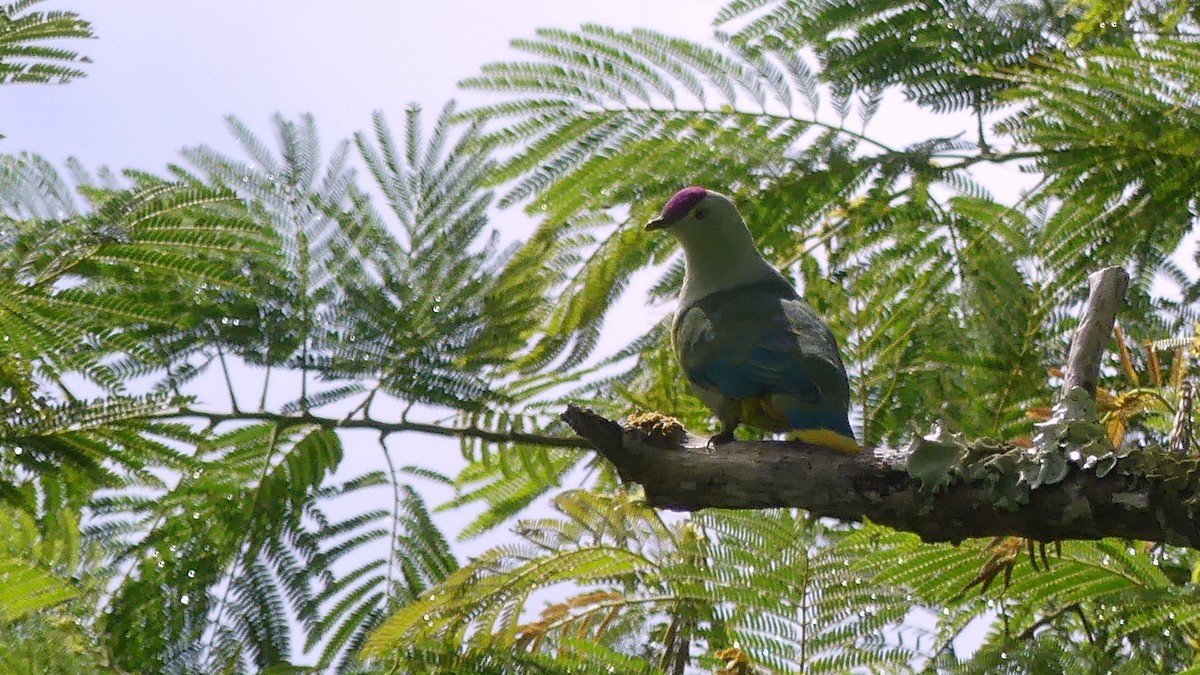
699,213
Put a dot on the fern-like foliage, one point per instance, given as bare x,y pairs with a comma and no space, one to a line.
24,56
51,582
221,566
253,546
1109,604
509,478
36,568
363,277
941,54
359,600
77,292
299,201
692,587
1117,130
605,118
347,300
95,279
915,274
940,291
222,559
952,303
226,556
448,329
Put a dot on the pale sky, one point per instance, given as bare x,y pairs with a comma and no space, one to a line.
165,74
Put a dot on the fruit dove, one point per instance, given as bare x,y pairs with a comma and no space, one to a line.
753,350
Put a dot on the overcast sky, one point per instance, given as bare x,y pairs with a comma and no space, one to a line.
166,73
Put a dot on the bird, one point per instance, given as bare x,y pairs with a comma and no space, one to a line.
750,347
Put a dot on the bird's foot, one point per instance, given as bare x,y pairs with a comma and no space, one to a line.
721,439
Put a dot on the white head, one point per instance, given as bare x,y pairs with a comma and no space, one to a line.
718,247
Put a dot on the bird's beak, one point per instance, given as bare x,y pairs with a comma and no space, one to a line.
658,224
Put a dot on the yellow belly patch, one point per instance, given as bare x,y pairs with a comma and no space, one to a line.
760,413
826,438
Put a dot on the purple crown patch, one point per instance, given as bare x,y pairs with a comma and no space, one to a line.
683,201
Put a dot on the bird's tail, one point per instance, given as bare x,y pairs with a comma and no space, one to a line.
801,422
827,438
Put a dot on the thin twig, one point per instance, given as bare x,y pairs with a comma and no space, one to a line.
1050,618
382,427
228,380
394,542
262,400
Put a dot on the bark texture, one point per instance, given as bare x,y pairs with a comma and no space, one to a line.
1152,496
685,475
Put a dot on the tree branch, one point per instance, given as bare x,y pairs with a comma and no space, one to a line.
876,486
1145,494
1106,294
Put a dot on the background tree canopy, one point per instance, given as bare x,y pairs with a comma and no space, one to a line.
145,532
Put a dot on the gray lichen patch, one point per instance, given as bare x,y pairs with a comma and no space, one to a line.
937,458
1072,438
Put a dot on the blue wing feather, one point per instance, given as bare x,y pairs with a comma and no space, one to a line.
764,345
